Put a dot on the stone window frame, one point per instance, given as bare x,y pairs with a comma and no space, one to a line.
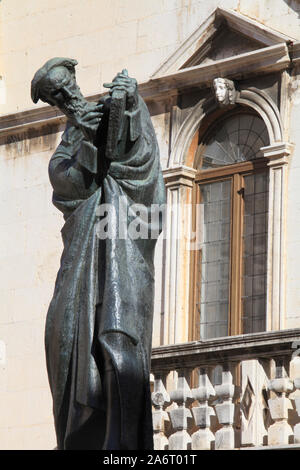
235,173
179,179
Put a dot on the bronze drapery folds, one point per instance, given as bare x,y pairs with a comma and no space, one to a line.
99,323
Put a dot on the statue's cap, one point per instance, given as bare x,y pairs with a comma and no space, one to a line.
42,72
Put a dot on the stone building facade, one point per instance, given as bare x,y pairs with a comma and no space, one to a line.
227,306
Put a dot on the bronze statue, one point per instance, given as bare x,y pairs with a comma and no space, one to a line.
99,323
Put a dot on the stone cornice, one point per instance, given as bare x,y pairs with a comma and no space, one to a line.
34,118
198,41
279,149
268,59
228,349
295,52
277,153
265,60
252,28
179,175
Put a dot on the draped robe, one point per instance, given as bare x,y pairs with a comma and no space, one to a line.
103,285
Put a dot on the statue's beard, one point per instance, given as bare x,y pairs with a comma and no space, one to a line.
75,107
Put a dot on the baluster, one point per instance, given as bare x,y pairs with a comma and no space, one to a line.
279,433
182,396
160,398
295,375
202,439
224,438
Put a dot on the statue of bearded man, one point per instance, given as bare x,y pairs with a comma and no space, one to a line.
99,323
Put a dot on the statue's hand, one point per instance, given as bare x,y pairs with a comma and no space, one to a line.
89,119
123,82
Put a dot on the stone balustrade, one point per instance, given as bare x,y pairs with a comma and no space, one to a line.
229,393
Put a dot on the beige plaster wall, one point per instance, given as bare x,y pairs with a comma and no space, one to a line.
30,249
104,36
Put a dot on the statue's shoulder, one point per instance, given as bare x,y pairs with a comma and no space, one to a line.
72,135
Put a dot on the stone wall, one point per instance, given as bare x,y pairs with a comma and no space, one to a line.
30,252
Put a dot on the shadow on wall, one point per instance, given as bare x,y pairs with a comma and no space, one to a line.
294,5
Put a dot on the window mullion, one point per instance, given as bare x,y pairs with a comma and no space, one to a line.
195,273
235,323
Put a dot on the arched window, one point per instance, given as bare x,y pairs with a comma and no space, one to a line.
230,219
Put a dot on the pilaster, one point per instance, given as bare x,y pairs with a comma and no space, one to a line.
179,185
278,156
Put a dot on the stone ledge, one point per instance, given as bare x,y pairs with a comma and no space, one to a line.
283,447
295,52
180,175
227,349
266,60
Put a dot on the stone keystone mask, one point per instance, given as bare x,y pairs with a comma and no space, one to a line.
225,91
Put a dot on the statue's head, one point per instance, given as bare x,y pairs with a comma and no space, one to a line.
55,84
225,91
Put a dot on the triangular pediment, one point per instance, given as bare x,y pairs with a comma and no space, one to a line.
224,34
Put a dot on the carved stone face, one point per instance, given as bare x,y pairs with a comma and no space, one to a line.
59,88
225,91
221,90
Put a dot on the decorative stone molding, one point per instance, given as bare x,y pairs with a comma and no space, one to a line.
231,349
187,131
237,22
295,52
278,155
252,28
251,97
266,60
179,176
179,184
267,110
225,92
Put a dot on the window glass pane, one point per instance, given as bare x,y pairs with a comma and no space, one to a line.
255,252
237,139
214,266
